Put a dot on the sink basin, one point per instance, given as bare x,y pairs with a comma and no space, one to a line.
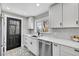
34,36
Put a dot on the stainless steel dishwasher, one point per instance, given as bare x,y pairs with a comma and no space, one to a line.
45,48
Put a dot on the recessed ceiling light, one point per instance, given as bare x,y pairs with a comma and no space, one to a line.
37,4
8,8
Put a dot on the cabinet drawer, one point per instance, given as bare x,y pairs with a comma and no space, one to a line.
70,50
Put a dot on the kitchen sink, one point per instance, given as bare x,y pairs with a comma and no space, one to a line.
34,36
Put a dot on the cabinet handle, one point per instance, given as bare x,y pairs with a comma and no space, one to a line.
55,44
31,43
76,22
1,46
48,44
76,50
61,24
3,49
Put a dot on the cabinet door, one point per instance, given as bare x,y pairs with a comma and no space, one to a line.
28,43
56,49
69,51
66,54
32,45
55,16
25,40
35,46
70,15
30,23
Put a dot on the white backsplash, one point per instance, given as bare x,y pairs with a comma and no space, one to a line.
63,33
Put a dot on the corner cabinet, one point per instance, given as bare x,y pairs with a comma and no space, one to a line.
31,23
55,16
64,15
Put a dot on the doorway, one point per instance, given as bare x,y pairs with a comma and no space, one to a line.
13,33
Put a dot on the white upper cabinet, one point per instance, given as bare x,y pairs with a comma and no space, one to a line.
64,15
31,23
55,16
70,15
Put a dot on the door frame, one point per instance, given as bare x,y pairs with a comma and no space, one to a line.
4,29
12,18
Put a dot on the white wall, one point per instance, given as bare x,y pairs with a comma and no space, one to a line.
0,32
0,8
63,33
0,36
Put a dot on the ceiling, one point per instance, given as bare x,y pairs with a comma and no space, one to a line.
26,9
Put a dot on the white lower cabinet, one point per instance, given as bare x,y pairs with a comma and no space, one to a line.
35,46
61,50
32,45
25,41
66,54
68,51
56,49
28,43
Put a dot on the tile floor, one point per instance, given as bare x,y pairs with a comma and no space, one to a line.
19,52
